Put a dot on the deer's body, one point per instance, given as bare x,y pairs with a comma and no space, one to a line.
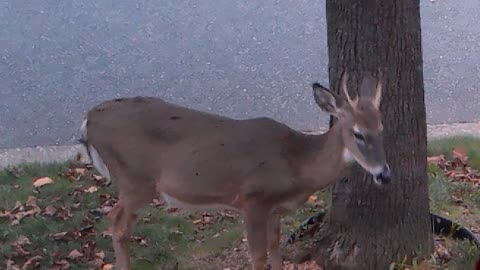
183,151
258,166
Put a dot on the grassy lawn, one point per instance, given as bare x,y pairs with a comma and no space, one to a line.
62,225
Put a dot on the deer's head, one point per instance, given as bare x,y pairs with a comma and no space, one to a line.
360,124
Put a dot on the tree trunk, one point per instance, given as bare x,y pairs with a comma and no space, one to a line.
370,227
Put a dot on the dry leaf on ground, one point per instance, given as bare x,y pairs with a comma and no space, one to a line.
107,267
60,265
58,236
42,181
74,254
23,240
32,262
310,265
50,211
80,171
460,153
91,189
434,160
10,264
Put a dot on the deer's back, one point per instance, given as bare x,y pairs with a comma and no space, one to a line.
154,137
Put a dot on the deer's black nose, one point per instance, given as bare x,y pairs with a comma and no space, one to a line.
384,177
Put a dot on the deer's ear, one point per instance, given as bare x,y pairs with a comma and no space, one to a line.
326,100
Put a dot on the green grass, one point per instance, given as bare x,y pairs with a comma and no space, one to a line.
466,255
440,190
163,233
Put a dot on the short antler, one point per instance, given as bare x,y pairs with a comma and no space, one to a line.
378,90
353,102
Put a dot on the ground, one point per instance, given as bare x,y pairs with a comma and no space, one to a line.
53,217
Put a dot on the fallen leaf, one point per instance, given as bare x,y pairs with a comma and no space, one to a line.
5,214
443,253
172,209
76,205
457,199
74,254
18,250
32,262
434,160
197,221
92,189
23,240
459,153
157,203
64,212
97,263
19,212
18,207
50,211
10,264
88,249
227,215
107,233
309,265
80,171
107,266
312,199
58,236
42,181
207,219
100,255
60,265
31,201
98,177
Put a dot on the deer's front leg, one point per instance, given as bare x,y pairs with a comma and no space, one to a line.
256,224
273,232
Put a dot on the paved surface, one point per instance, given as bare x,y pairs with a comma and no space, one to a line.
243,59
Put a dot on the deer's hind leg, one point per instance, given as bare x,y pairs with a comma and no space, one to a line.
274,241
133,196
256,226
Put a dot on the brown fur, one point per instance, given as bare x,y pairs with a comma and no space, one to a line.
259,166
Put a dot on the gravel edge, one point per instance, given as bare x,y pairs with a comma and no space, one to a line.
48,154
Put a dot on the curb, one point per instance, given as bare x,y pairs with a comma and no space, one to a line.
48,154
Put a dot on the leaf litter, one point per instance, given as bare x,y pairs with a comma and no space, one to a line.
88,255
456,169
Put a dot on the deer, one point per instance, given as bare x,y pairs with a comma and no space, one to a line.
259,167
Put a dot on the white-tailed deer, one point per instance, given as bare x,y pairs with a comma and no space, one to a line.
258,166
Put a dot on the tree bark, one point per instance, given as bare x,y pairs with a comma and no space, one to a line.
370,227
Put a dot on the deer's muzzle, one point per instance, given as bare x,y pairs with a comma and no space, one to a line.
384,176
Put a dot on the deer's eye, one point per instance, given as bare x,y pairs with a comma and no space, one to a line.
358,136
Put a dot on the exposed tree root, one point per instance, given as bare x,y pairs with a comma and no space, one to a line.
335,250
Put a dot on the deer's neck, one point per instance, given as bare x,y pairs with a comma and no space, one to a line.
325,161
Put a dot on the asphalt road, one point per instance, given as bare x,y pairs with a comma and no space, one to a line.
241,58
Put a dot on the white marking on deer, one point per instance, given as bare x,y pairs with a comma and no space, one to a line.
347,156
99,164
83,129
